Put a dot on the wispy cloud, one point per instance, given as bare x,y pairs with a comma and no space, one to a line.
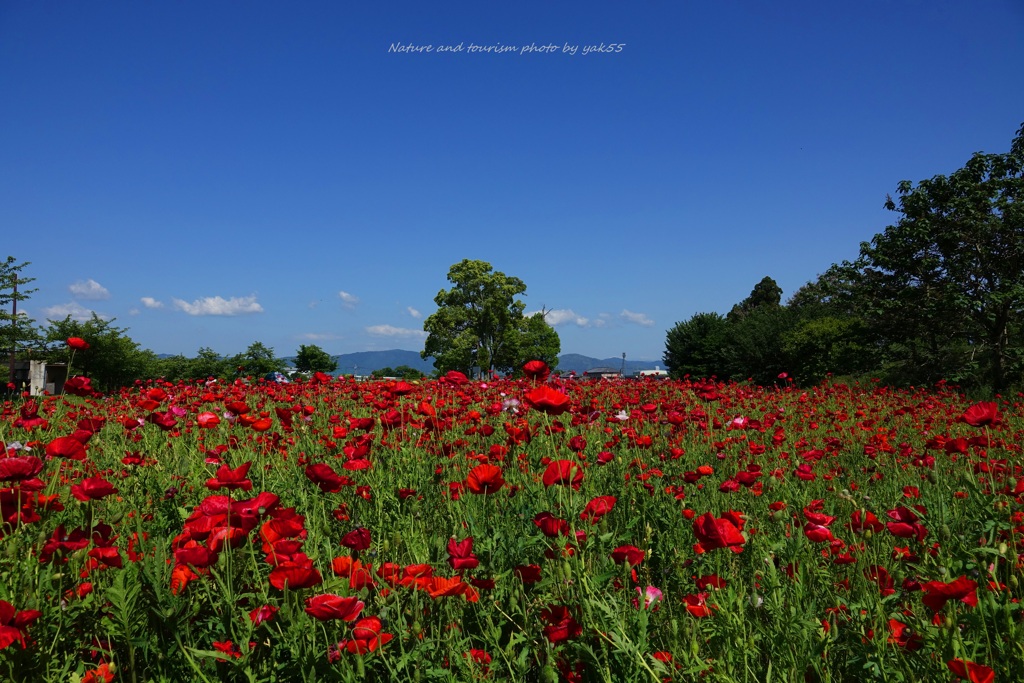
150,302
636,318
89,290
348,300
565,316
319,336
77,311
218,305
391,331
414,313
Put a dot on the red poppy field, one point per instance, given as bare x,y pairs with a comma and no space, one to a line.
515,530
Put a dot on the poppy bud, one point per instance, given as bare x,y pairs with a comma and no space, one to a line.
1003,548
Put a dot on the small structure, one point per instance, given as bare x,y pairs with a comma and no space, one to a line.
38,376
602,373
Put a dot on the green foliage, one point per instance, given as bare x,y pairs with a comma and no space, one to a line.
947,280
402,372
695,347
766,294
479,322
532,339
258,361
17,330
112,360
311,358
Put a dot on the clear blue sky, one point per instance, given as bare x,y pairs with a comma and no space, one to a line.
215,173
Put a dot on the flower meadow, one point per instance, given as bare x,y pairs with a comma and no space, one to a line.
510,530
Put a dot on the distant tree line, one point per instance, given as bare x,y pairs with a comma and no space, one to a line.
939,295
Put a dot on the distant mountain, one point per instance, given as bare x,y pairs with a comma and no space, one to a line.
574,362
365,362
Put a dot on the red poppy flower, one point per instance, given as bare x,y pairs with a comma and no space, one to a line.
864,521
357,539
79,386
329,606
537,370
629,554
66,447
715,533
485,479
480,658
228,478
936,593
547,400
561,625
324,476
598,508
366,637
20,468
563,473
262,614
984,414
77,343
904,636
696,605
295,575
442,587
14,624
101,674
93,488
207,420
529,573
969,671
460,554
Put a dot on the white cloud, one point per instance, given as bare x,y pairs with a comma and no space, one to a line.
150,302
565,316
348,300
77,311
216,305
89,290
319,336
636,318
391,331
414,313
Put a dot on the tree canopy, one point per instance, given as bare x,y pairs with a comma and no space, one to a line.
938,295
311,358
479,322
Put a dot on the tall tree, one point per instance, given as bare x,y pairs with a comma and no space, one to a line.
475,319
952,268
16,328
259,360
766,294
311,358
532,339
695,347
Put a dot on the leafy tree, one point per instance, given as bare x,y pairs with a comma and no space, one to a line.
947,280
754,346
475,319
16,328
258,360
401,372
209,363
695,347
112,360
312,358
533,339
766,294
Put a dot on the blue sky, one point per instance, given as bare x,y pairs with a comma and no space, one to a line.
211,174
